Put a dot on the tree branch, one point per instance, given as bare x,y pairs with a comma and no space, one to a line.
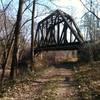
4,9
89,10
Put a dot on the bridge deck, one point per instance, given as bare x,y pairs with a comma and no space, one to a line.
70,46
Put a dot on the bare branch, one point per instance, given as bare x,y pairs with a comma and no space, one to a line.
7,5
89,10
26,22
5,19
27,7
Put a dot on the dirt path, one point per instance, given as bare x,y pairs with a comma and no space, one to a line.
52,84
59,82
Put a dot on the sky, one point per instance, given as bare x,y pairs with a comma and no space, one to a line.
77,6
72,7
75,3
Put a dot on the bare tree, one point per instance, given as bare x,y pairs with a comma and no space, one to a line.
90,25
6,34
16,38
32,34
89,10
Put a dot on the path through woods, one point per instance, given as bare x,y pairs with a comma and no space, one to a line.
53,83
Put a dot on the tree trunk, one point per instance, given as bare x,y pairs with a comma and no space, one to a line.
16,35
6,59
32,35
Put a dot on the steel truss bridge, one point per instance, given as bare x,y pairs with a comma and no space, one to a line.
58,31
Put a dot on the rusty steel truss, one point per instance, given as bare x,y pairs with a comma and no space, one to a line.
57,31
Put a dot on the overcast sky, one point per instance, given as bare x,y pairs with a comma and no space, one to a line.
75,4
72,7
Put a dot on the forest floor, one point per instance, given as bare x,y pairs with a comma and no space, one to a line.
53,83
63,81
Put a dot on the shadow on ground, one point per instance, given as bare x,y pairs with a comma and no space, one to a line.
66,65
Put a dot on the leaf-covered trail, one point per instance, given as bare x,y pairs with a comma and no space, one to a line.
51,84
62,84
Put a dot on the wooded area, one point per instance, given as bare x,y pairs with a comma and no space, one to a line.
18,63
